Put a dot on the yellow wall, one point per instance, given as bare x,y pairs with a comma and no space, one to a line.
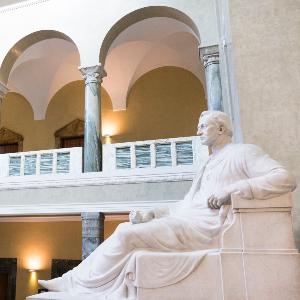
165,102
35,244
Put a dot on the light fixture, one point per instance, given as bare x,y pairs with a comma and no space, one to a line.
107,139
31,270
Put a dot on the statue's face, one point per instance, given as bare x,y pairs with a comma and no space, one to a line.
208,131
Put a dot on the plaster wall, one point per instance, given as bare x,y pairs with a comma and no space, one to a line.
80,25
167,91
266,42
35,244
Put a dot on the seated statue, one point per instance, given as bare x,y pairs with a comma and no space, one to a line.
193,223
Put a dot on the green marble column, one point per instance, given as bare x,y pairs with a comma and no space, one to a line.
92,232
92,223
210,58
92,156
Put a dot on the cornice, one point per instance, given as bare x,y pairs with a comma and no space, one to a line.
24,4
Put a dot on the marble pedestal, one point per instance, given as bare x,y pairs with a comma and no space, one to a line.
257,260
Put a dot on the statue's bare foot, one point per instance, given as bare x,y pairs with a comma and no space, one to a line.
55,285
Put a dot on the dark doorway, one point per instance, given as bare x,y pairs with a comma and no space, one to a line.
9,148
3,286
70,142
8,275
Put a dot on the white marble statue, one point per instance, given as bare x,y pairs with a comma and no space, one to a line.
193,223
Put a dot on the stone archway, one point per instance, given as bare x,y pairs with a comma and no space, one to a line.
37,54
165,31
139,15
24,43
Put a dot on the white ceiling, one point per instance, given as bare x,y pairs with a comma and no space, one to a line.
48,65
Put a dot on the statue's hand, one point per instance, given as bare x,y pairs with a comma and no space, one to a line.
136,216
216,200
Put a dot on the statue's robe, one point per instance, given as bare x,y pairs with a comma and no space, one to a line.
190,225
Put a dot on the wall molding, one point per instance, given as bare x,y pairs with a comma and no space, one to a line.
58,218
97,179
43,210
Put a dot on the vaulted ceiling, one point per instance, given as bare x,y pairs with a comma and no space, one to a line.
44,68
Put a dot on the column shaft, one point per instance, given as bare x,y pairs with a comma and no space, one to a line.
210,57
92,157
92,232
92,223
3,91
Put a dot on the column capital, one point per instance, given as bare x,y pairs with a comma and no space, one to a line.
3,90
209,55
93,74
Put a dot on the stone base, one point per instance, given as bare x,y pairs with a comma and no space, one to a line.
59,296
235,276
223,276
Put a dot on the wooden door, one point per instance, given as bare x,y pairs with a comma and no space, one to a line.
8,276
69,142
3,286
8,148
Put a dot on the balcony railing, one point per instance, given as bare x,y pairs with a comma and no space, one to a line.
45,162
174,154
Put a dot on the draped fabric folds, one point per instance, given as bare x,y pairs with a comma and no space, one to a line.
189,228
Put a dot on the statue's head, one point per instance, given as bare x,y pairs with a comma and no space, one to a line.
212,126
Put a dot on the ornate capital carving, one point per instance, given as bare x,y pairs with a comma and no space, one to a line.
3,90
209,55
93,74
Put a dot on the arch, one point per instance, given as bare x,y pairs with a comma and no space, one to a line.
106,100
16,51
139,15
10,99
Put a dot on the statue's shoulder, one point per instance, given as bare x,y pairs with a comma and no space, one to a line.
246,149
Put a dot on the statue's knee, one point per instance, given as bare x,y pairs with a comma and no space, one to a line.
125,232
123,229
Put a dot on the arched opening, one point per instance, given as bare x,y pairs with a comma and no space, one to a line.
18,49
50,57
140,15
144,40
